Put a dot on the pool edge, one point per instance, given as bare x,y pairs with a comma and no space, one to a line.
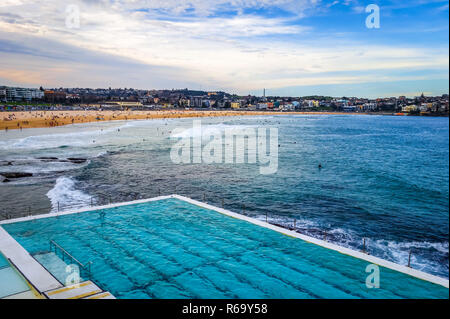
343,250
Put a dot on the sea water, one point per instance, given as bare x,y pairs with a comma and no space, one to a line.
383,178
174,249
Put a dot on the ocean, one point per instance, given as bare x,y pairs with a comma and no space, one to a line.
383,179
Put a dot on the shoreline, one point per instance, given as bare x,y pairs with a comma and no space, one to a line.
40,119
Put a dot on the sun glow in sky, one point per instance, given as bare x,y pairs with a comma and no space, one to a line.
290,47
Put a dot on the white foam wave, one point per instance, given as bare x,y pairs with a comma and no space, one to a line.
64,195
35,142
208,130
102,153
399,252
37,166
425,256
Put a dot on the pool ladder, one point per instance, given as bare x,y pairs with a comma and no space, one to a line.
55,247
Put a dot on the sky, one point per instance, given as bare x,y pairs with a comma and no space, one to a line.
289,47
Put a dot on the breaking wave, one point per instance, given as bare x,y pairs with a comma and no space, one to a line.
208,130
429,257
65,195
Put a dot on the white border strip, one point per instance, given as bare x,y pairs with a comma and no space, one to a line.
33,272
83,210
374,260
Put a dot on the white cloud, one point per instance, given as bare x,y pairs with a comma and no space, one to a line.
209,7
241,53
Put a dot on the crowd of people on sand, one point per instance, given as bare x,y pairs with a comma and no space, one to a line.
19,120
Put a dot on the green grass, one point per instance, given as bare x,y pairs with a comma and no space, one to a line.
26,103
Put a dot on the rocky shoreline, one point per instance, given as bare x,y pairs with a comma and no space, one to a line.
6,177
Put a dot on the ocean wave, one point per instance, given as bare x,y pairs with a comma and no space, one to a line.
101,154
37,166
208,130
429,257
64,195
59,140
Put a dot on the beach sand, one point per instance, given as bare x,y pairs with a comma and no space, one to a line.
33,119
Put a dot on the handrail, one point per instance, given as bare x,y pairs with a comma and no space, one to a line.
102,199
86,267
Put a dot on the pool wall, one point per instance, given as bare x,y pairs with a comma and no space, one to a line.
29,268
34,271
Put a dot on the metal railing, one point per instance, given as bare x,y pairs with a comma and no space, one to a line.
54,247
101,199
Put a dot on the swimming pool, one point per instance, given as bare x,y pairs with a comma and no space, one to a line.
174,249
11,283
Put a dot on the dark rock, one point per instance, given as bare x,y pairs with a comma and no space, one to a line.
77,160
16,175
6,180
47,159
6,163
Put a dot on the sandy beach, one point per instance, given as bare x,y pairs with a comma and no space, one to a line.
34,119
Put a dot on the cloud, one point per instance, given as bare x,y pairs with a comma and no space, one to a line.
196,43
35,61
212,7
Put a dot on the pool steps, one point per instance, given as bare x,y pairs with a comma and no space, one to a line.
84,290
102,295
40,280
55,265
356,254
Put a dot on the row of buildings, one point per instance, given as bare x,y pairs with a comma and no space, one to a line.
184,98
16,94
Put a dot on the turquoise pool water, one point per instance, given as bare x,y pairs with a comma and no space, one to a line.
10,281
173,249
384,178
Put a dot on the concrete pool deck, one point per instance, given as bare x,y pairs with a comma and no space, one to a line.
33,272
44,281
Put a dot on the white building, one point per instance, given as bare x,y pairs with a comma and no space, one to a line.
37,94
369,106
349,108
2,93
262,106
21,94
